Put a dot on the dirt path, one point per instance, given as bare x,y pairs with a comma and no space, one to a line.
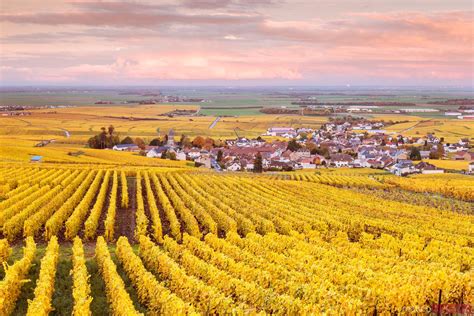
125,218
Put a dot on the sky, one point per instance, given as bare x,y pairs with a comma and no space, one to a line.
237,42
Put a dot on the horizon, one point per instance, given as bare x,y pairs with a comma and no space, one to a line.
237,43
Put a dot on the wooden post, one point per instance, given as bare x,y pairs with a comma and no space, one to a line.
439,303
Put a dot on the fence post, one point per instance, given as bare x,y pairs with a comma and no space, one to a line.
439,303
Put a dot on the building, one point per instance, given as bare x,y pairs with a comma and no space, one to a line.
341,160
464,155
204,161
126,147
156,152
233,166
470,169
307,163
427,168
402,168
170,141
281,131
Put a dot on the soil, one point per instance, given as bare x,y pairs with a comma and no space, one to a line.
125,217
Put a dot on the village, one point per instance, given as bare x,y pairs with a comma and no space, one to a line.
351,144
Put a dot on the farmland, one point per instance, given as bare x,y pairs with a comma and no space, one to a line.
177,241
107,232
18,135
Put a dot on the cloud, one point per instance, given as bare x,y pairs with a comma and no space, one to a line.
143,42
127,14
389,29
215,4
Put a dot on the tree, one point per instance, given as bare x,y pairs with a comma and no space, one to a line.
127,140
140,143
111,130
172,155
322,151
198,141
219,155
311,147
415,154
293,145
164,154
258,163
156,142
219,143
184,141
208,143
104,139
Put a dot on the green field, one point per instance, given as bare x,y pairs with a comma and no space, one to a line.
229,101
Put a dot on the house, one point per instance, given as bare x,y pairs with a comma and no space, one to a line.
427,168
204,161
156,152
464,155
281,131
425,154
301,153
247,164
402,168
193,153
126,147
307,163
470,169
233,166
36,159
454,148
386,161
215,165
180,155
280,165
320,160
341,160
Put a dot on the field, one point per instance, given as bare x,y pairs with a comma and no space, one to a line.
18,135
72,127
235,101
451,129
103,232
126,240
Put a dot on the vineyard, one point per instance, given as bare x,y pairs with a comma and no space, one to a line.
133,241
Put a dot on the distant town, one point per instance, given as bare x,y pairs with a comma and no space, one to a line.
352,143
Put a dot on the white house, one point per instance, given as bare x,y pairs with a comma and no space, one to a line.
235,166
180,155
307,163
155,152
281,131
194,153
205,161
125,147
402,168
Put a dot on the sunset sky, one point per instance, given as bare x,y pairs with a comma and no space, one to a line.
240,42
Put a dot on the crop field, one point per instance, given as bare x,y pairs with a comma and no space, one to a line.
103,232
130,240
70,128
451,129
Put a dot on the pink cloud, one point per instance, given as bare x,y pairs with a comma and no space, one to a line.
135,42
